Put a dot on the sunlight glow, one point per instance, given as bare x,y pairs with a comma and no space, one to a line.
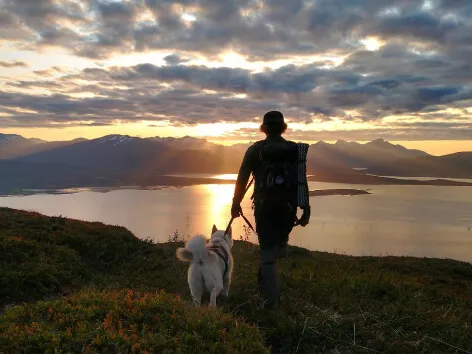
371,43
232,59
189,17
227,176
220,197
220,129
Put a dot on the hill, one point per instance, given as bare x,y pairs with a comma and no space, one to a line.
130,155
348,155
457,165
81,278
13,145
192,155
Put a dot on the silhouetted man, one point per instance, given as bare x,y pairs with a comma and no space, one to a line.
273,162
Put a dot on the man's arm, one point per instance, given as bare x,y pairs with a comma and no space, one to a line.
247,167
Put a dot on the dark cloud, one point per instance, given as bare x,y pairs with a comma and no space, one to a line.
421,68
258,29
175,59
179,106
435,94
421,25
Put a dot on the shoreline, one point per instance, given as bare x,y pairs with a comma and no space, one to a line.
25,193
160,182
355,178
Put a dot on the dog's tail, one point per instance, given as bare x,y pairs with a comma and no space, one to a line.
195,250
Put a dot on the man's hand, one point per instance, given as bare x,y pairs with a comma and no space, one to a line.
236,211
305,218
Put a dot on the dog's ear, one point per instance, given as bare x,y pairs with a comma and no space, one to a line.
214,229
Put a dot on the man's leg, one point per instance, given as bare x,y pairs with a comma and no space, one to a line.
272,229
285,230
268,276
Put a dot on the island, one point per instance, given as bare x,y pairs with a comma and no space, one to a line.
349,192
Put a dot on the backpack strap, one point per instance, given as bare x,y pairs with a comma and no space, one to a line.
261,144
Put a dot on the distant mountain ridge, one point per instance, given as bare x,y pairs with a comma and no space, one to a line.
345,154
13,145
124,160
166,154
457,165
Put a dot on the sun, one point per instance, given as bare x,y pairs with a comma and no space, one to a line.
232,59
371,43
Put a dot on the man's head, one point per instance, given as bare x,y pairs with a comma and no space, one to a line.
273,123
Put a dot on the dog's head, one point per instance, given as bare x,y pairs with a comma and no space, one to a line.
220,235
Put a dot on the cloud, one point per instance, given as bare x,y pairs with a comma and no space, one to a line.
412,132
421,25
262,30
192,94
175,59
13,64
367,62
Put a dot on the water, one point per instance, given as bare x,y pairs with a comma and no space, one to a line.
422,221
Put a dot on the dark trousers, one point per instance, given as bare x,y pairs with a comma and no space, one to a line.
273,229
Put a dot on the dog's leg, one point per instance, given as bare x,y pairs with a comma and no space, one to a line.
197,301
226,284
195,289
227,277
197,298
213,295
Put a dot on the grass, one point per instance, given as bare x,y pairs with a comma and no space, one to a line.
125,321
331,303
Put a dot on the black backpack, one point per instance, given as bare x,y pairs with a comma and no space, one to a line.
277,178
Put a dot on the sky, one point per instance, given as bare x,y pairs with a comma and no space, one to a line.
356,70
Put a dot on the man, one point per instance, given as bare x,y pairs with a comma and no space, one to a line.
273,163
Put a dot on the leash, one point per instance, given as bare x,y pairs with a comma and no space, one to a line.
242,215
245,219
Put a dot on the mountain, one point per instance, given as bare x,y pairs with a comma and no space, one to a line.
126,155
189,154
186,143
112,160
13,145
348,155
108,152
457,165
115,160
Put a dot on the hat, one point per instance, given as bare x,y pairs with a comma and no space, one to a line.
273,117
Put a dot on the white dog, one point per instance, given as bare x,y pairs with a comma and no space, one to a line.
211,264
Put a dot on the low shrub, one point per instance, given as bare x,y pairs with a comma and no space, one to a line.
125,321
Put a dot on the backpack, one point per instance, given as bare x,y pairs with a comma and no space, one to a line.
277,178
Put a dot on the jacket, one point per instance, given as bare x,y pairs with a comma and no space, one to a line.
273,144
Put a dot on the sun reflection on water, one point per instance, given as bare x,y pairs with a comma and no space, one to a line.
219,203
220,198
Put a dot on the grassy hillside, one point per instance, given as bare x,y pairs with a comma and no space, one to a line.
76,278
